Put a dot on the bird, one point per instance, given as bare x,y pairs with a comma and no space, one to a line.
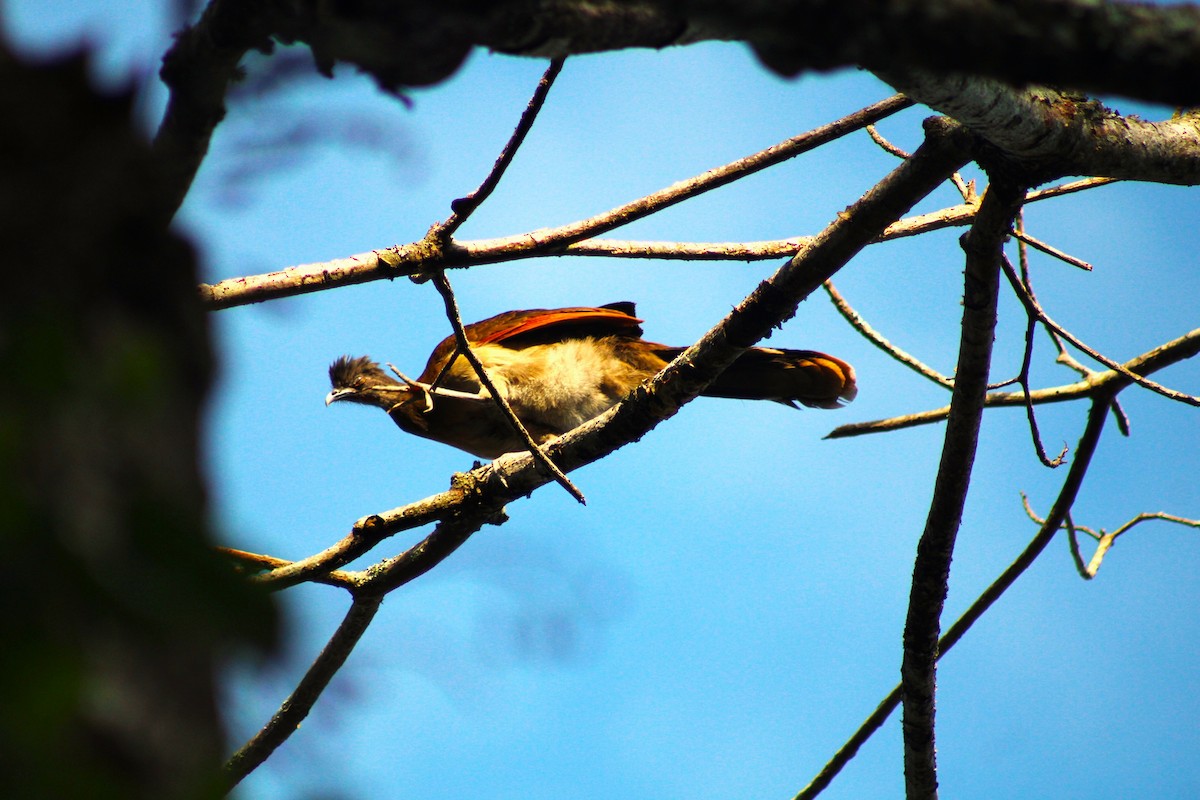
559,368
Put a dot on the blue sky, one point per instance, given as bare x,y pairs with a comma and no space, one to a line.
728,607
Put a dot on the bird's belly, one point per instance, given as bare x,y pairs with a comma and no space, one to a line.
561,385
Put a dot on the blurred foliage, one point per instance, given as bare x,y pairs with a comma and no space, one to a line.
117,611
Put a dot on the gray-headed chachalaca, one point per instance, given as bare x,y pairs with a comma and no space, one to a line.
558,368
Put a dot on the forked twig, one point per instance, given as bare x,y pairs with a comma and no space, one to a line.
421,257
1104,539
965,188
1034,307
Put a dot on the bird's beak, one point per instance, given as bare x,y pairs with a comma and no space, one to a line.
337,394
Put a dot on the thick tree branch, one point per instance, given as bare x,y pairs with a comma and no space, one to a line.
1142,51
1103,47
198,70
1051,134
931,571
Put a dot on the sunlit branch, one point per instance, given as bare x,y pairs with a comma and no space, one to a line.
1176,350
859,324
1034,307
462,208
1104,539
431,254
411,259
1031,323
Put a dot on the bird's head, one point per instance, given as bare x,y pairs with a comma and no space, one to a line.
361,380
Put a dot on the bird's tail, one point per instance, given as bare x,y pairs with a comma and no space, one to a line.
787,376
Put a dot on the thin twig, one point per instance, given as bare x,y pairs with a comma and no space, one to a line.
1164,355
1038,244
464,349
1027,357
463,207
1068,188
887,146
1084,451
345,580
859,324
1104,540
967,190
297,706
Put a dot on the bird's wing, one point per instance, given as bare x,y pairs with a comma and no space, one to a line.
539,326
556,323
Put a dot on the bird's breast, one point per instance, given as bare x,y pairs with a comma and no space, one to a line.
560,385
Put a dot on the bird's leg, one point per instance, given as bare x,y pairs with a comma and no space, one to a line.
420,387
429,391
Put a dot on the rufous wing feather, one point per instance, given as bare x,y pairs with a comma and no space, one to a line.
807,377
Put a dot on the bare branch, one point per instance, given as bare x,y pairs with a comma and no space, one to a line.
411,259
245,560
198,70
1027,357
1051,134
931,571
293,710
1173,351
1084,450
1104,540
427,254
1038,244
859,324
1034,307
462,208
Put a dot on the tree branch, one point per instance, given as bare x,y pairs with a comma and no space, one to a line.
463,207
931,572
293,710
1176,350
198,70
1084,451
1143,51
430,254
1051,133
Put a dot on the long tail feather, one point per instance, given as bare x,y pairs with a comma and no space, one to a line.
807,377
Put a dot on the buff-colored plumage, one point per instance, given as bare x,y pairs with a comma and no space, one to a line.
558,368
